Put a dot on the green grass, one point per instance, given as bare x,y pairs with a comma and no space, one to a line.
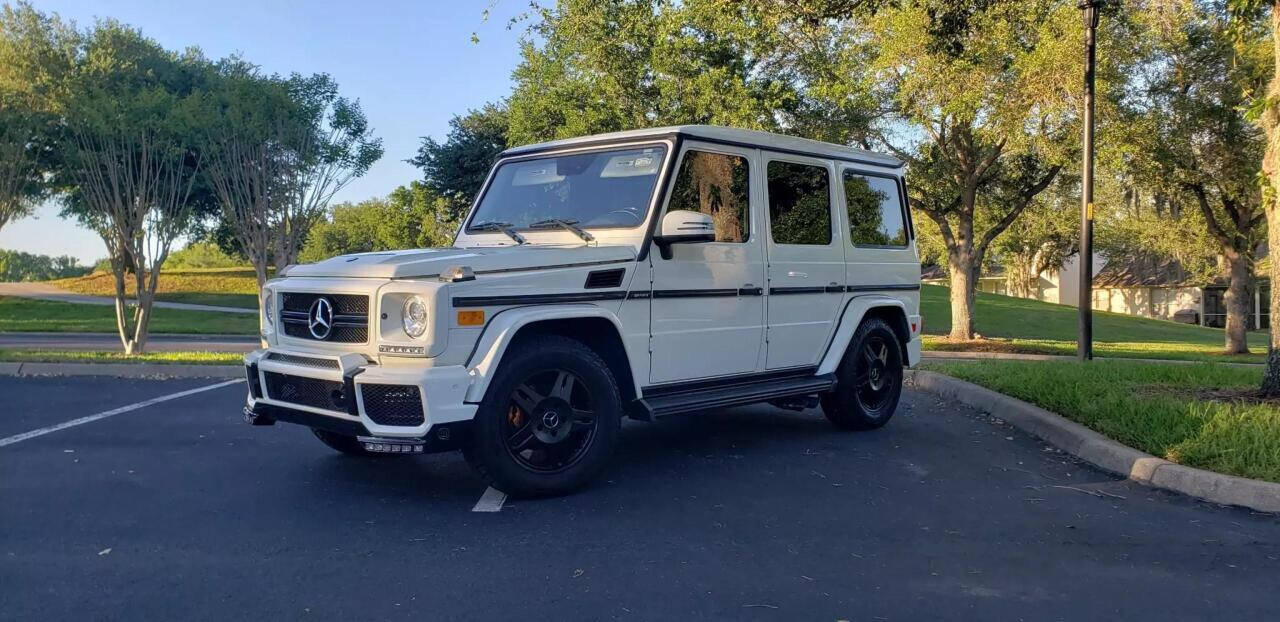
1163,410
223,287
22,314
1032,327
76,356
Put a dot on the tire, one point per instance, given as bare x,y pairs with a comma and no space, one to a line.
550,420
868,381
345,444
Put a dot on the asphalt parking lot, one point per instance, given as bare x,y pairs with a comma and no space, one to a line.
180,510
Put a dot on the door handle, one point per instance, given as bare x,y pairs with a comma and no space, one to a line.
798,275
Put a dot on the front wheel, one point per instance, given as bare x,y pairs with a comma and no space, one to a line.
549,421
868,381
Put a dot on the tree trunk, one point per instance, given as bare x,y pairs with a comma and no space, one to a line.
1271,168
963,283
1239,304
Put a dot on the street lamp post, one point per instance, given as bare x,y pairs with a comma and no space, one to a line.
1084,347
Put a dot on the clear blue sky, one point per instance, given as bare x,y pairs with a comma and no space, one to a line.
411,64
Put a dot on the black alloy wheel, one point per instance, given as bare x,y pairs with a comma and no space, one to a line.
549,420
868,380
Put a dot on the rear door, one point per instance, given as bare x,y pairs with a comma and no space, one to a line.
707,307
806,266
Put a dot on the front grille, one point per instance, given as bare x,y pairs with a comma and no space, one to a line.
304,361
346,304
350,316
311,392
392,404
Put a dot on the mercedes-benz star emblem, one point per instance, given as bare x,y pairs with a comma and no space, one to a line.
320,318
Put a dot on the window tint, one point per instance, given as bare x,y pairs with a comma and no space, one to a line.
875,211
717,185
799,203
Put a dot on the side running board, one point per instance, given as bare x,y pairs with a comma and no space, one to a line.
735,395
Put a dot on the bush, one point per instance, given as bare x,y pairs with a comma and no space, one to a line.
200,255
20,266
413,216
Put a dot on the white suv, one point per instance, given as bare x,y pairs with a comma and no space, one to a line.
633,274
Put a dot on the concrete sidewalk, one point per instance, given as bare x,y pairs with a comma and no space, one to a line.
111,341
45,291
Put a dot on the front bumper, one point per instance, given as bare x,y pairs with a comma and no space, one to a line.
339,392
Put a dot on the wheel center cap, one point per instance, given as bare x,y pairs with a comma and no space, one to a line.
551,419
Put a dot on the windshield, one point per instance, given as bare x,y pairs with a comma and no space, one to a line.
596,189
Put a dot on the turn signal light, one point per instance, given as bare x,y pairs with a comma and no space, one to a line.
471,318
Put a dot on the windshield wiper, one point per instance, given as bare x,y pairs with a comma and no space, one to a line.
567,225
504,227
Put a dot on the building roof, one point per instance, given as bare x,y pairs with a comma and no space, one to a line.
1142,271
731,135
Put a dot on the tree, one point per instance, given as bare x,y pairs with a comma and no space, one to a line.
590,67
130,124
36,51
456,168
980,106
413,216
1248,15
1041,239
329,145
1204,152
278,151
248,122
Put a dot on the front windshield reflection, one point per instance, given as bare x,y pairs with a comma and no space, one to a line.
609,188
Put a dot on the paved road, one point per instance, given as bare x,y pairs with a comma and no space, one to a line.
179,510
45,291
111,341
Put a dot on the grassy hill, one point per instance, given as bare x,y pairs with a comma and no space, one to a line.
26,315
224,287
1029,326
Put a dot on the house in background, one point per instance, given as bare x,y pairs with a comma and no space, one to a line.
1143,286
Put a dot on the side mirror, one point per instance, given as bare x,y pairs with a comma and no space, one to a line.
681,226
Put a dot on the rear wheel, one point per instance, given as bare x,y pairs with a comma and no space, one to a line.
550,419
869,379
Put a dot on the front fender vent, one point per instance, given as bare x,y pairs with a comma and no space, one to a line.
601,279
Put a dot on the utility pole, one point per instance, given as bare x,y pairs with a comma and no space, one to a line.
1084,346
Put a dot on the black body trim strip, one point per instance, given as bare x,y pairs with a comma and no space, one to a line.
751,291
881,288
535,299
774,291
693,293
639,295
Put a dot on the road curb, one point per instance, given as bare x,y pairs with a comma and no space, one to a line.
1101,451
122,370
1009,356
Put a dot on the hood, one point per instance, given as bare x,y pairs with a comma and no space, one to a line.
429,262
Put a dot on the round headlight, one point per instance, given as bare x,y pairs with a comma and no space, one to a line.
269,307
414,316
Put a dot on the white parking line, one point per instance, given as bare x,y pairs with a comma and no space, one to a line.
490,501
113,412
